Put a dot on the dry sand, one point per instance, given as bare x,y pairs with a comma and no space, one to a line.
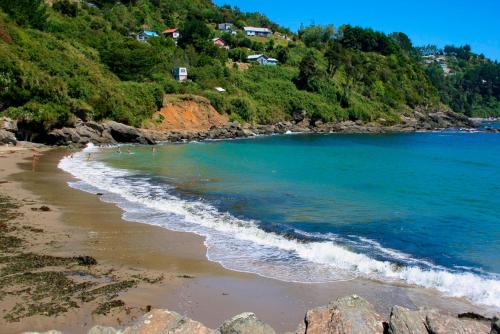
193,286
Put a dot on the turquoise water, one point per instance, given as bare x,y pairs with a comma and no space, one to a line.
423,207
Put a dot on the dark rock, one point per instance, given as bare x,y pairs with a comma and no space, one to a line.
64,136
7,137
495,325
126,134
473,316
299,115
44,208
86,260
245,323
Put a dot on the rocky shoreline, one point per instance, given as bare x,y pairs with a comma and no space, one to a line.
348,315
111,132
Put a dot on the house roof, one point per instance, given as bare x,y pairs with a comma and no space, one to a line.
255,57
150,33
170,30
257,29
272,59
216,39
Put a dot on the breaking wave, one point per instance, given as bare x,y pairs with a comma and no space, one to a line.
242,245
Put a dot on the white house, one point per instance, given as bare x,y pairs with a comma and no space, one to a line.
256,31
180,73
262,60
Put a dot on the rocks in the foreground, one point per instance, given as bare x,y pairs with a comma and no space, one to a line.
245,323
404,321
348,315
164,321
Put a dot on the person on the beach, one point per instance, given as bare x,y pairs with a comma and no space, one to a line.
34,159
89,157
129,151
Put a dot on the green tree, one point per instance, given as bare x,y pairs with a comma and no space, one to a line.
66,7
194,32
282,54
308,68
334,56
31,13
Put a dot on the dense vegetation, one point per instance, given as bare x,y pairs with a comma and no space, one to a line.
82,59
474,87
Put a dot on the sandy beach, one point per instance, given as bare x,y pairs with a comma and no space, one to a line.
79,224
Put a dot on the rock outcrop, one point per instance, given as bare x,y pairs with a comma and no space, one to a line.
8,129
101,134
245,323
348,315
7,137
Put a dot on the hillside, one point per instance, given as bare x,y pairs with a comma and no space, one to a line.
69,59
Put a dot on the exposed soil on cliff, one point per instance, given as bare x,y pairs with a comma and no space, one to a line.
186,113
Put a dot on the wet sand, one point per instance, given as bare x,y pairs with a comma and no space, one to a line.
194,286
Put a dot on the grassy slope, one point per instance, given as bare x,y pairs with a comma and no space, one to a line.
89,66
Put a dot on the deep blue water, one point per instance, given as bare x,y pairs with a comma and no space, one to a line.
430,198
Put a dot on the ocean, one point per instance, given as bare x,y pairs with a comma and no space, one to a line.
418,208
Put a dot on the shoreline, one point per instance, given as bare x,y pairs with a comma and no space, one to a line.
202,283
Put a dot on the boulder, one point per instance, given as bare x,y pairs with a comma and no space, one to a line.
64,136
102,330
348,315
7,137
245,323
405,321
94,125
126,134
444,324
163,321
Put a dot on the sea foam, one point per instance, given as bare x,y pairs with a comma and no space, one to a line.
241,245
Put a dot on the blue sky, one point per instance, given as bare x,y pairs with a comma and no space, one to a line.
440,22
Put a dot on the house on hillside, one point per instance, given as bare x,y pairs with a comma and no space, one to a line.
225,27
171,33
262,60
145,35
255,31
180,73
220,43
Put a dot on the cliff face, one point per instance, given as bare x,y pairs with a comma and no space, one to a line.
187,114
